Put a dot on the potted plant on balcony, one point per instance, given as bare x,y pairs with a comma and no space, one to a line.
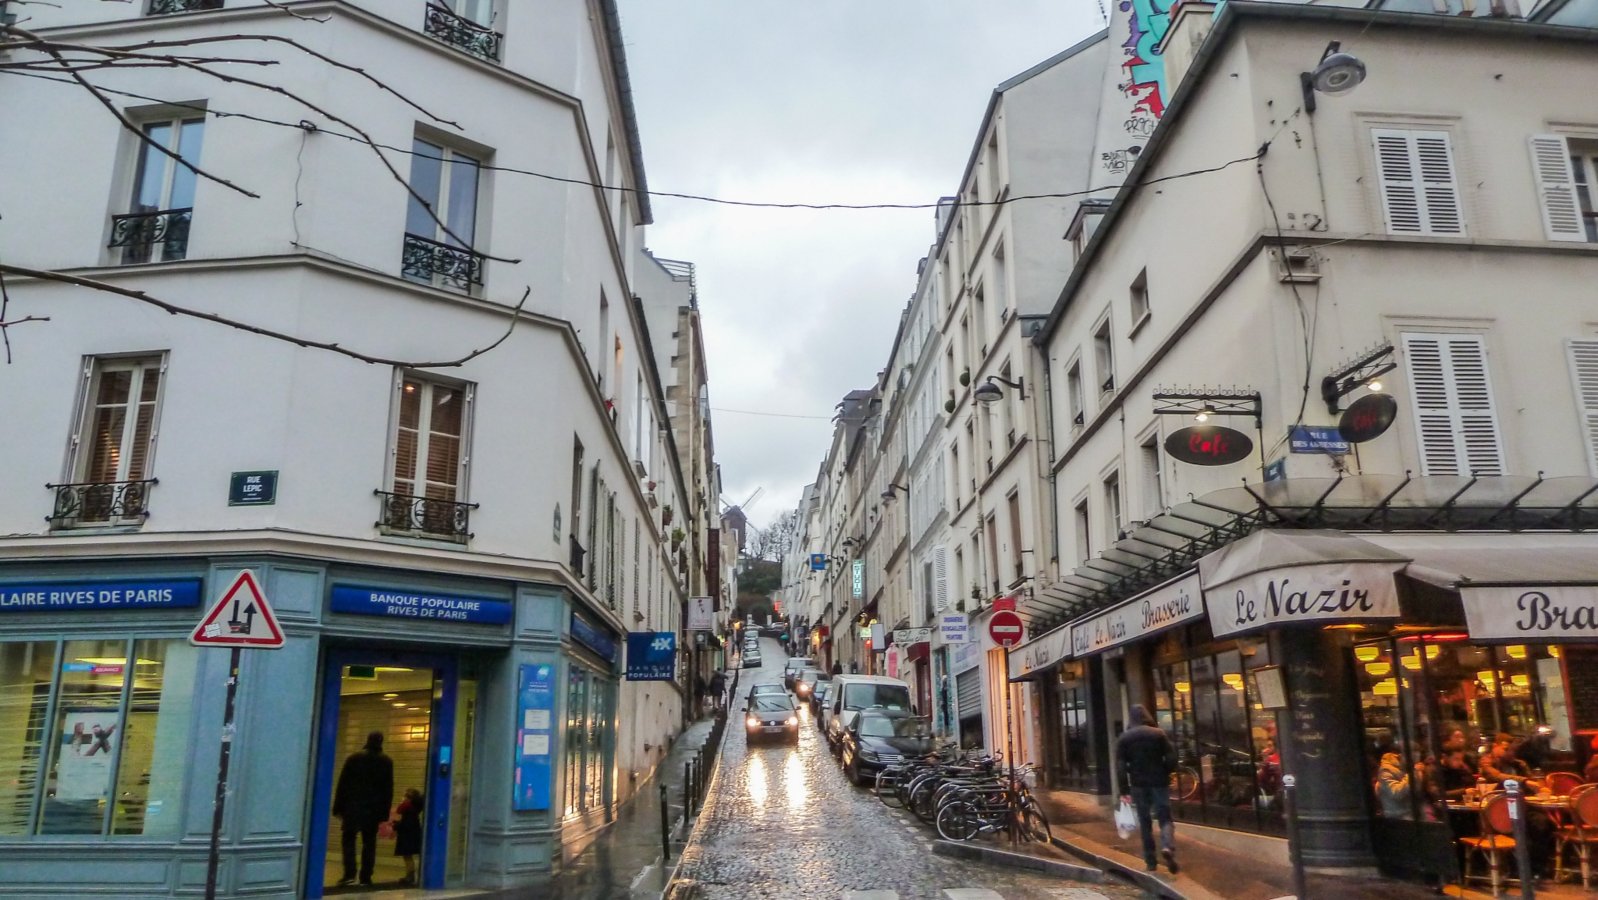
677,536
965,378
665,515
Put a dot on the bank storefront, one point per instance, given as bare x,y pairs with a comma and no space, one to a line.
1266,647
496,700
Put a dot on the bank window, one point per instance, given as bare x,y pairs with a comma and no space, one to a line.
429,457
94,736
110,455
589,702
156,226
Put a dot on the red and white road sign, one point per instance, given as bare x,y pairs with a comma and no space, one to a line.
1006,628
241,617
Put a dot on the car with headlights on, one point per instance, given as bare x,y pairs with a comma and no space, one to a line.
759,689
771,716
792,668
804,684
881,737
818,700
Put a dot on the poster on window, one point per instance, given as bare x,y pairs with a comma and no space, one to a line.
88,743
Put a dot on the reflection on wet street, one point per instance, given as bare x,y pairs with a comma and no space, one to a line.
784,822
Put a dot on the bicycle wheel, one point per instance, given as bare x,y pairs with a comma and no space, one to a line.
887,788
921,803
1034,827
957,822
1184,783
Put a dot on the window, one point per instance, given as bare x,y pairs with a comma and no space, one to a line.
1139,302
1566,177
954,471
464,24
1584,373
1015,534
156,225
578,551
1001,283
441,218
1112,508
110,464
1073,393
430,458
1416,172
1586,177
1153,481
109,759
992,529
1084,542
1104,356
1456,423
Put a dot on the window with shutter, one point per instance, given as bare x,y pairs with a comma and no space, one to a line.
940,575
1416,172
1556,188
1456,423
1584,373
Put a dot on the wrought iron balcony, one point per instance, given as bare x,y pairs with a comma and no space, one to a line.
444,24
140,233
167,7
444,520
92,504
431,262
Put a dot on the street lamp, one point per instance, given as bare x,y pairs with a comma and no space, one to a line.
1336,73
990,392
891,493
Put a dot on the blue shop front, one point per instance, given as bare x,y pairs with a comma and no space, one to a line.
496,700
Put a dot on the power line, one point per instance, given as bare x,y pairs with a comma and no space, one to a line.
754,412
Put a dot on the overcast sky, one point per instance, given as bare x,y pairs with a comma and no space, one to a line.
822,101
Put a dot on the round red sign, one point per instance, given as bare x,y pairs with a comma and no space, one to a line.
1208,445
1006,628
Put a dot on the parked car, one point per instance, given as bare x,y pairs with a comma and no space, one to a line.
818,700
771,716
793,667
852,693
752,660
882,737
764,689
804,686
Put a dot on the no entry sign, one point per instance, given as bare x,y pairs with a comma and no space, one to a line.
1006,629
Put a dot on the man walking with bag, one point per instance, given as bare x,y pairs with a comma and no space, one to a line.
1147,758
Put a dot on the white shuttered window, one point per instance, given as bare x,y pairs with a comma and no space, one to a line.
1584,373
1456,422
1416,172
1556,188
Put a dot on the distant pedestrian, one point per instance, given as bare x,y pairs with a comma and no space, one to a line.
361,800
837,667
701,688
1147,758
408,832
718,689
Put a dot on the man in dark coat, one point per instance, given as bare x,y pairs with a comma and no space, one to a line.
1147,758
361,800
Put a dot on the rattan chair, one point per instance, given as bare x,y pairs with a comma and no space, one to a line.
1496,842
1562,784
1581,833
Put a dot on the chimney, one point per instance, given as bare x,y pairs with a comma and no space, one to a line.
1190,23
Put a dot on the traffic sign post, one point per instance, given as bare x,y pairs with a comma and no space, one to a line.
240,617
1007,630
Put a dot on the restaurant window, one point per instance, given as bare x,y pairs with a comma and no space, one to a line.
110,759
1228,765
1079,769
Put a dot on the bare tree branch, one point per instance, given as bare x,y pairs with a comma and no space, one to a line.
333,347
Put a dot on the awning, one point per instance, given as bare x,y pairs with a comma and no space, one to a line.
1514,587
1288,576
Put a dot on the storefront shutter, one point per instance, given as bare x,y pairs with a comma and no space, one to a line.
968,693
1416,172
1584,373
1456,424
1556,188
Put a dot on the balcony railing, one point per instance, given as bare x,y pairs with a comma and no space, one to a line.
431,262
92,504
444,520
461,32
167,7
140,233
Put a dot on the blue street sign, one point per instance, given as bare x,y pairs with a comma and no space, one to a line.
818,562
594,638
57,596
1316,439
369,601
651,656
1276,470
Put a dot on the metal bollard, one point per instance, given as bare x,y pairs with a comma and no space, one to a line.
1295,851
688,790
665,824
1517,816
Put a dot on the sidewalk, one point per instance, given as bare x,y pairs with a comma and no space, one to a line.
1084,828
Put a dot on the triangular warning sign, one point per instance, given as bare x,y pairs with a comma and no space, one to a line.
241,618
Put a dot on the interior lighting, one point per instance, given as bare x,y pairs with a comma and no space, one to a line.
1516,651
1367,653
1411,661
1233,680
1183,687
1379,668
1520,681
390,696
1387,687
1487,677
1433,651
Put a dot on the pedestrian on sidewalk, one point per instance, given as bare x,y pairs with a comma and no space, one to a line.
1146,759
718,689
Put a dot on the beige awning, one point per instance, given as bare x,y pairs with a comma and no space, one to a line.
1298,576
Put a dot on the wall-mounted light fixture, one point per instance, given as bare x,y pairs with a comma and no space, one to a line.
889,495
990,392
1363,372
1336,73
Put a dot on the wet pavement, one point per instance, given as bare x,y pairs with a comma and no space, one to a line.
784,822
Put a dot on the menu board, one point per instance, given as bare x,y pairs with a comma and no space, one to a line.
1581,684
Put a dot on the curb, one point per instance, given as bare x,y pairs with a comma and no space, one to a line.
678,885
1148,881
1012,860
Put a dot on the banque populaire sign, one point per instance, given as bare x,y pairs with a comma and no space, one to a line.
1169,604
370,601
1306,594
1528,614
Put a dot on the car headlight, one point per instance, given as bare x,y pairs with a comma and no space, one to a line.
868,754
752,722
792,720
804,688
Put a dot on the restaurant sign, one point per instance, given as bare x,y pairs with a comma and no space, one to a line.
1208,445
1531,614
1172,603
1304,594
1041,652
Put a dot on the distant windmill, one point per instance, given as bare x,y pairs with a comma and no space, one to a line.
740,519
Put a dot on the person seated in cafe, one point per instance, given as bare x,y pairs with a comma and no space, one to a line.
1393,786
1501,765
1535,749
1453,775
1590,773
1458,741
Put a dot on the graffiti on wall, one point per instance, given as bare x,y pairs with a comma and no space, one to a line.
1142,79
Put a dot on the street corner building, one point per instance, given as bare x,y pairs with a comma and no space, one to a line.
456,545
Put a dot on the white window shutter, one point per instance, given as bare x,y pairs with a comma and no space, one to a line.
1456,423
1416,173
1584,373
940,577
1556,188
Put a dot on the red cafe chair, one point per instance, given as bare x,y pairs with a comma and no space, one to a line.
1581,833
1562,784
1496,842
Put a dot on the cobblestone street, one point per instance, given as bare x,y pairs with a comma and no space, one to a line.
784,822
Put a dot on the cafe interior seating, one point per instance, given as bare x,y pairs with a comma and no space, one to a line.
1580,833
1562,784
1495,842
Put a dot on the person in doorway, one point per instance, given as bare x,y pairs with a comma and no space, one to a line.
361,800
408,832
1147,758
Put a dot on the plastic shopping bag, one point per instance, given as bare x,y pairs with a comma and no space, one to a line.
1125,819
